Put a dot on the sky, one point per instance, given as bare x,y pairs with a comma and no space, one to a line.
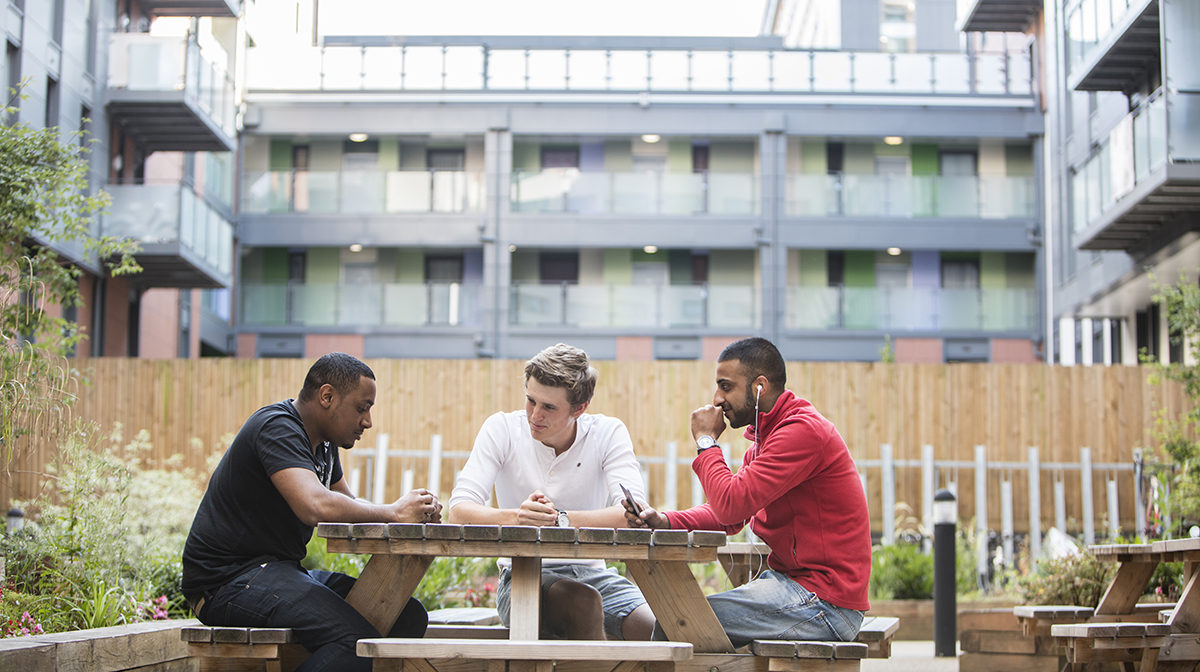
738,18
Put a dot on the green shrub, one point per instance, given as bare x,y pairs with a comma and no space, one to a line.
901,572
1079,580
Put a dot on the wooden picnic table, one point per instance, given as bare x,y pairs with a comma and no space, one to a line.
657,560
1121,631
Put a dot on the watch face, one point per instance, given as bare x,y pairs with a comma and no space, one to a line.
563,521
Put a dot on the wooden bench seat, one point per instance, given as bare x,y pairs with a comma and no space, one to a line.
1111,642
788,656
459,631
877,632
223,648
429,655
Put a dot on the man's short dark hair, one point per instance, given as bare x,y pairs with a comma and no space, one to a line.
759,357
338,369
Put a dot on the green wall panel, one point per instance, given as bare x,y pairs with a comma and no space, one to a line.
860,268
812,157
526,158
618,266
679,156
992,270
1018,160
324,265
410,266
281,154
1019,270
814,268
924,159
681,266
618,156
731,267
731,157
858,159
389,154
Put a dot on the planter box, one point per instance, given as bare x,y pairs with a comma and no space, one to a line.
153,646
916,616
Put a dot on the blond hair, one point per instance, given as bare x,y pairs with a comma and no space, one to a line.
564,366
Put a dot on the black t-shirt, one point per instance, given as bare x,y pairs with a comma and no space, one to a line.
243,520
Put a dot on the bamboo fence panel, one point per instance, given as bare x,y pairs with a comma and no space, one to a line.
193,407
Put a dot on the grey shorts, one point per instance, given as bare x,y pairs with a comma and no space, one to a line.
618,593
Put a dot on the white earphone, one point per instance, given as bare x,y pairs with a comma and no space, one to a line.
759,391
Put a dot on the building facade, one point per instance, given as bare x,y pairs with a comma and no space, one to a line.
1123,144
644,198
151,85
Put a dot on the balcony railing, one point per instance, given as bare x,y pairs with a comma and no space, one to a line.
144,70
899,309
649,192
175,227
1090,23
844,195
361,191
464,68
638,306
356,305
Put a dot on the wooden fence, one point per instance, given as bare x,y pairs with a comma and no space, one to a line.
192,407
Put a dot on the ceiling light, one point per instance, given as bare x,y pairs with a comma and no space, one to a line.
651,138
356,248
650,249
512,248
894,251
893,140
358,137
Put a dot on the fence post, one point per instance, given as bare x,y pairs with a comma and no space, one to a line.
1060,504
671,473
697,491
1006,519
381,456
1114,510
355,480
927,494
406,481
1085,490
1139,497
1035,504
888,482
435,463
981,518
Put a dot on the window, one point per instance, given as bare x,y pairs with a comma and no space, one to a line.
960,274
957,163
445,159
12,65
558,267
560,157
897,27
444,268
52,100
297,262
699,158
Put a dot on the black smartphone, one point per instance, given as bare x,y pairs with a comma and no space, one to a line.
637,510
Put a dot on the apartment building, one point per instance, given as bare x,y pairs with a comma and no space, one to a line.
844,181
151,83
1123,144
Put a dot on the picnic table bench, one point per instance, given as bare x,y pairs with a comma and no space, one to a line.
269,649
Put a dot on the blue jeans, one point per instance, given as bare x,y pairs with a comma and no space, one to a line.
313,605
618,594
773,606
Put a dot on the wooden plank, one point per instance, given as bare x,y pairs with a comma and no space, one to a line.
815,650
596,535
403,531
670,538
512,549
1186,617
632,535
999,662
384,586
877,628
226,635
456,631
518,533
443,531
1127,586
680,606
481,532
812,665
723,662
559,535
258,651
368,530
773,647
707,538
196,634
333,530
427,648
525,603
1180,647
271,635
1054,612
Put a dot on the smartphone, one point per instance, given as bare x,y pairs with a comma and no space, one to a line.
637,510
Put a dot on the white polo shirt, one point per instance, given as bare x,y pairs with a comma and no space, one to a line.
585,477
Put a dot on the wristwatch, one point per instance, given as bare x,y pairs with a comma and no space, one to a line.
704,443
563,520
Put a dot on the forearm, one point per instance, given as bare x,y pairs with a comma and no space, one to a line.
613,516
470,513
336,507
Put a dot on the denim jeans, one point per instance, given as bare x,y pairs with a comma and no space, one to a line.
618,594
313,605
773,606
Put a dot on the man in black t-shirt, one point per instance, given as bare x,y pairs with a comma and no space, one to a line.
279,478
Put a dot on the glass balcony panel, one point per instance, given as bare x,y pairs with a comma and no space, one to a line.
450,191
814,308
315,304
960,309
710,71
1158,133
405,304
636,193
831,71
423,68
543,192
877,195
588,70
1075,42
912,73
408,191
813,195
861,308
991,73
464,68
381,68
588,193
360,304
636,305
1141,146
148,63
872,72
547,69
342,68
265,305
1079,218
731,306
534,305
792,71
956,195
951,73
751,71
506,69
628,70
682,193
315,191
683,305
668,71
1009,309
732,194
588,305
362,191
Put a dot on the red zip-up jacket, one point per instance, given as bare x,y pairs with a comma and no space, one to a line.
799,490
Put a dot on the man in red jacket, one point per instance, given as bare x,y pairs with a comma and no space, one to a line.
798,490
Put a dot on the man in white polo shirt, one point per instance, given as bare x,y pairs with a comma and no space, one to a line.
552,464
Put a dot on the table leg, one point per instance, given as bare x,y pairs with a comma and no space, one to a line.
384,586
525,598
1126,587
679,605
1186,618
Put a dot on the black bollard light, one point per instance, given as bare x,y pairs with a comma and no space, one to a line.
945,600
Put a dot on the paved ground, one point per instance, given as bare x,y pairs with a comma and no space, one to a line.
911,657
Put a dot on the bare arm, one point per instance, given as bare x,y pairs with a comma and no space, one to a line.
535,510
313,503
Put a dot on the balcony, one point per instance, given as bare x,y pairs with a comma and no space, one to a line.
912,309
635,66
185,242
998,16
361,192
220,8
569,190
1113,45
398,305
168,96
1144,176
908,196
633,306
